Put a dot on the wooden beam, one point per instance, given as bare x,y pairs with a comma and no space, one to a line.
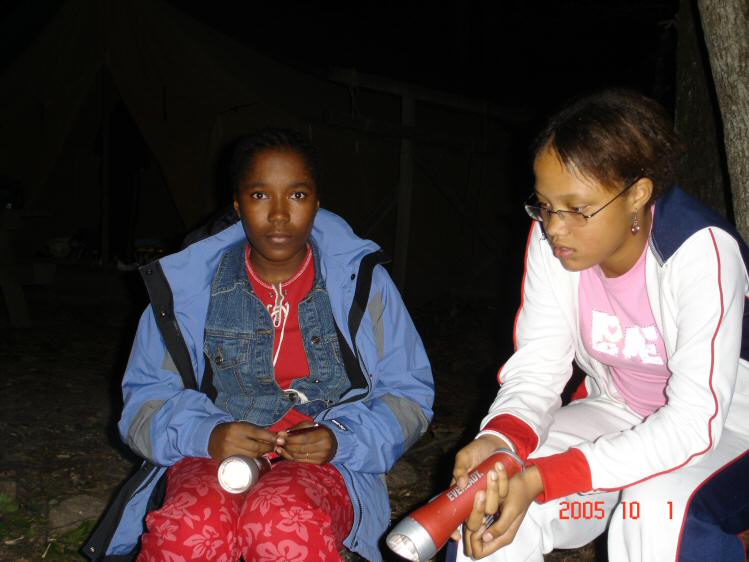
405,190
354,79
386,129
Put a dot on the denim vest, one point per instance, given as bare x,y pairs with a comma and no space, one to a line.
239,337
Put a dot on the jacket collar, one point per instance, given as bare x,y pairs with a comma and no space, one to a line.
677,217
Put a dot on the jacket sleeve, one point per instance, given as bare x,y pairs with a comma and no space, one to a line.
534,377
161,420
704,290
373,433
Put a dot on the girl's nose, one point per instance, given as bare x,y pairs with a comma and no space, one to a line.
279,211
554,225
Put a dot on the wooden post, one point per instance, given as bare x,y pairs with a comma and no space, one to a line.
405,190
106,120
11,290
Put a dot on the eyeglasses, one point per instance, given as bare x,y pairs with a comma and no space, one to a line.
571,218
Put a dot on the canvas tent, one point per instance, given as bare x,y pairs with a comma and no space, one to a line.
190,91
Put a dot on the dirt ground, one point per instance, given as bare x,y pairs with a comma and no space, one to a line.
60,399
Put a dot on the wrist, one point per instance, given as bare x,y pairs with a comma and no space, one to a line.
532,478
493,441
333,444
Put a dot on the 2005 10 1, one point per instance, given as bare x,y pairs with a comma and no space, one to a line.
595,510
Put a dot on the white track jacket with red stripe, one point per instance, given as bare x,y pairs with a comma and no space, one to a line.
697,284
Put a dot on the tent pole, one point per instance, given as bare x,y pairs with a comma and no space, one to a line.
405,190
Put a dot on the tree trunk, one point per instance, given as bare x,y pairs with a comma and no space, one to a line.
726,28
697,116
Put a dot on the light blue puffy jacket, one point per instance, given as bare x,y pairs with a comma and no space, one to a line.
164,422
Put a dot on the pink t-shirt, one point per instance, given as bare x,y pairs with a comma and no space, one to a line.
618,329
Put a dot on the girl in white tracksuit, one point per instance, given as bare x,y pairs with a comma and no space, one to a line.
644,289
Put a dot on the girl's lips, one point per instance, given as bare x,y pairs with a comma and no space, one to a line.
560,252
278,238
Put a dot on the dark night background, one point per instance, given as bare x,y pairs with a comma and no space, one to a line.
513,52
526,57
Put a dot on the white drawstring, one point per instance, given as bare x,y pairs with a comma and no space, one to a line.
279,313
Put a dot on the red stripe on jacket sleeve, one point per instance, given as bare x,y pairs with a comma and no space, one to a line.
516,430
563,474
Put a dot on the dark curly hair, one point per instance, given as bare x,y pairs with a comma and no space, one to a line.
615,137
248,147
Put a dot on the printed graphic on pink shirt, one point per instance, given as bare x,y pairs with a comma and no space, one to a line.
634,342
618,329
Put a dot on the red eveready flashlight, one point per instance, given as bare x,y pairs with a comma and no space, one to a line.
422,534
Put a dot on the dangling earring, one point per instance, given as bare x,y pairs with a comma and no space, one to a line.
635,228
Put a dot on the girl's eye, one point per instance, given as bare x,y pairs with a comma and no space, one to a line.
299,195
258,195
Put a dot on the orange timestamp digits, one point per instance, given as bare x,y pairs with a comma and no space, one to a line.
581,510
575,510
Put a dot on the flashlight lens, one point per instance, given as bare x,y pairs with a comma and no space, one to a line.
403,546
234,475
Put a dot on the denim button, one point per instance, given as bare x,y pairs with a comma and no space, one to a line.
315,340
316,381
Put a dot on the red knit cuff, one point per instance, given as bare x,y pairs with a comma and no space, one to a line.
520,433
563,474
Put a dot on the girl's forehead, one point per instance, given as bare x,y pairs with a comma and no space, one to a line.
565,179
280,163
277,156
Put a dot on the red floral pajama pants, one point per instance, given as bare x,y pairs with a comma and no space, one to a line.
297,512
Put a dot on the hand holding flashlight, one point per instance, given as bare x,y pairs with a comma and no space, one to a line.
467,459
309,443
240,438
484,534
424,532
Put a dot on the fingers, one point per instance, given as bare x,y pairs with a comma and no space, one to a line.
476,518
496,488
500,533
479,532
300,429
313,445
503,524
473,454
239,438
487,541
463,465
249,431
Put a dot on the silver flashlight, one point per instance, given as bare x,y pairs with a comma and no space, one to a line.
237,474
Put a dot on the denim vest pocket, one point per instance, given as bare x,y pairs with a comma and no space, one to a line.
229,356
334,348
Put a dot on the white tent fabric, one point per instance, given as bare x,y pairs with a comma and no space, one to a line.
176,76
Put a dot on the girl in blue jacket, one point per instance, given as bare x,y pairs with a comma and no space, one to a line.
271,316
